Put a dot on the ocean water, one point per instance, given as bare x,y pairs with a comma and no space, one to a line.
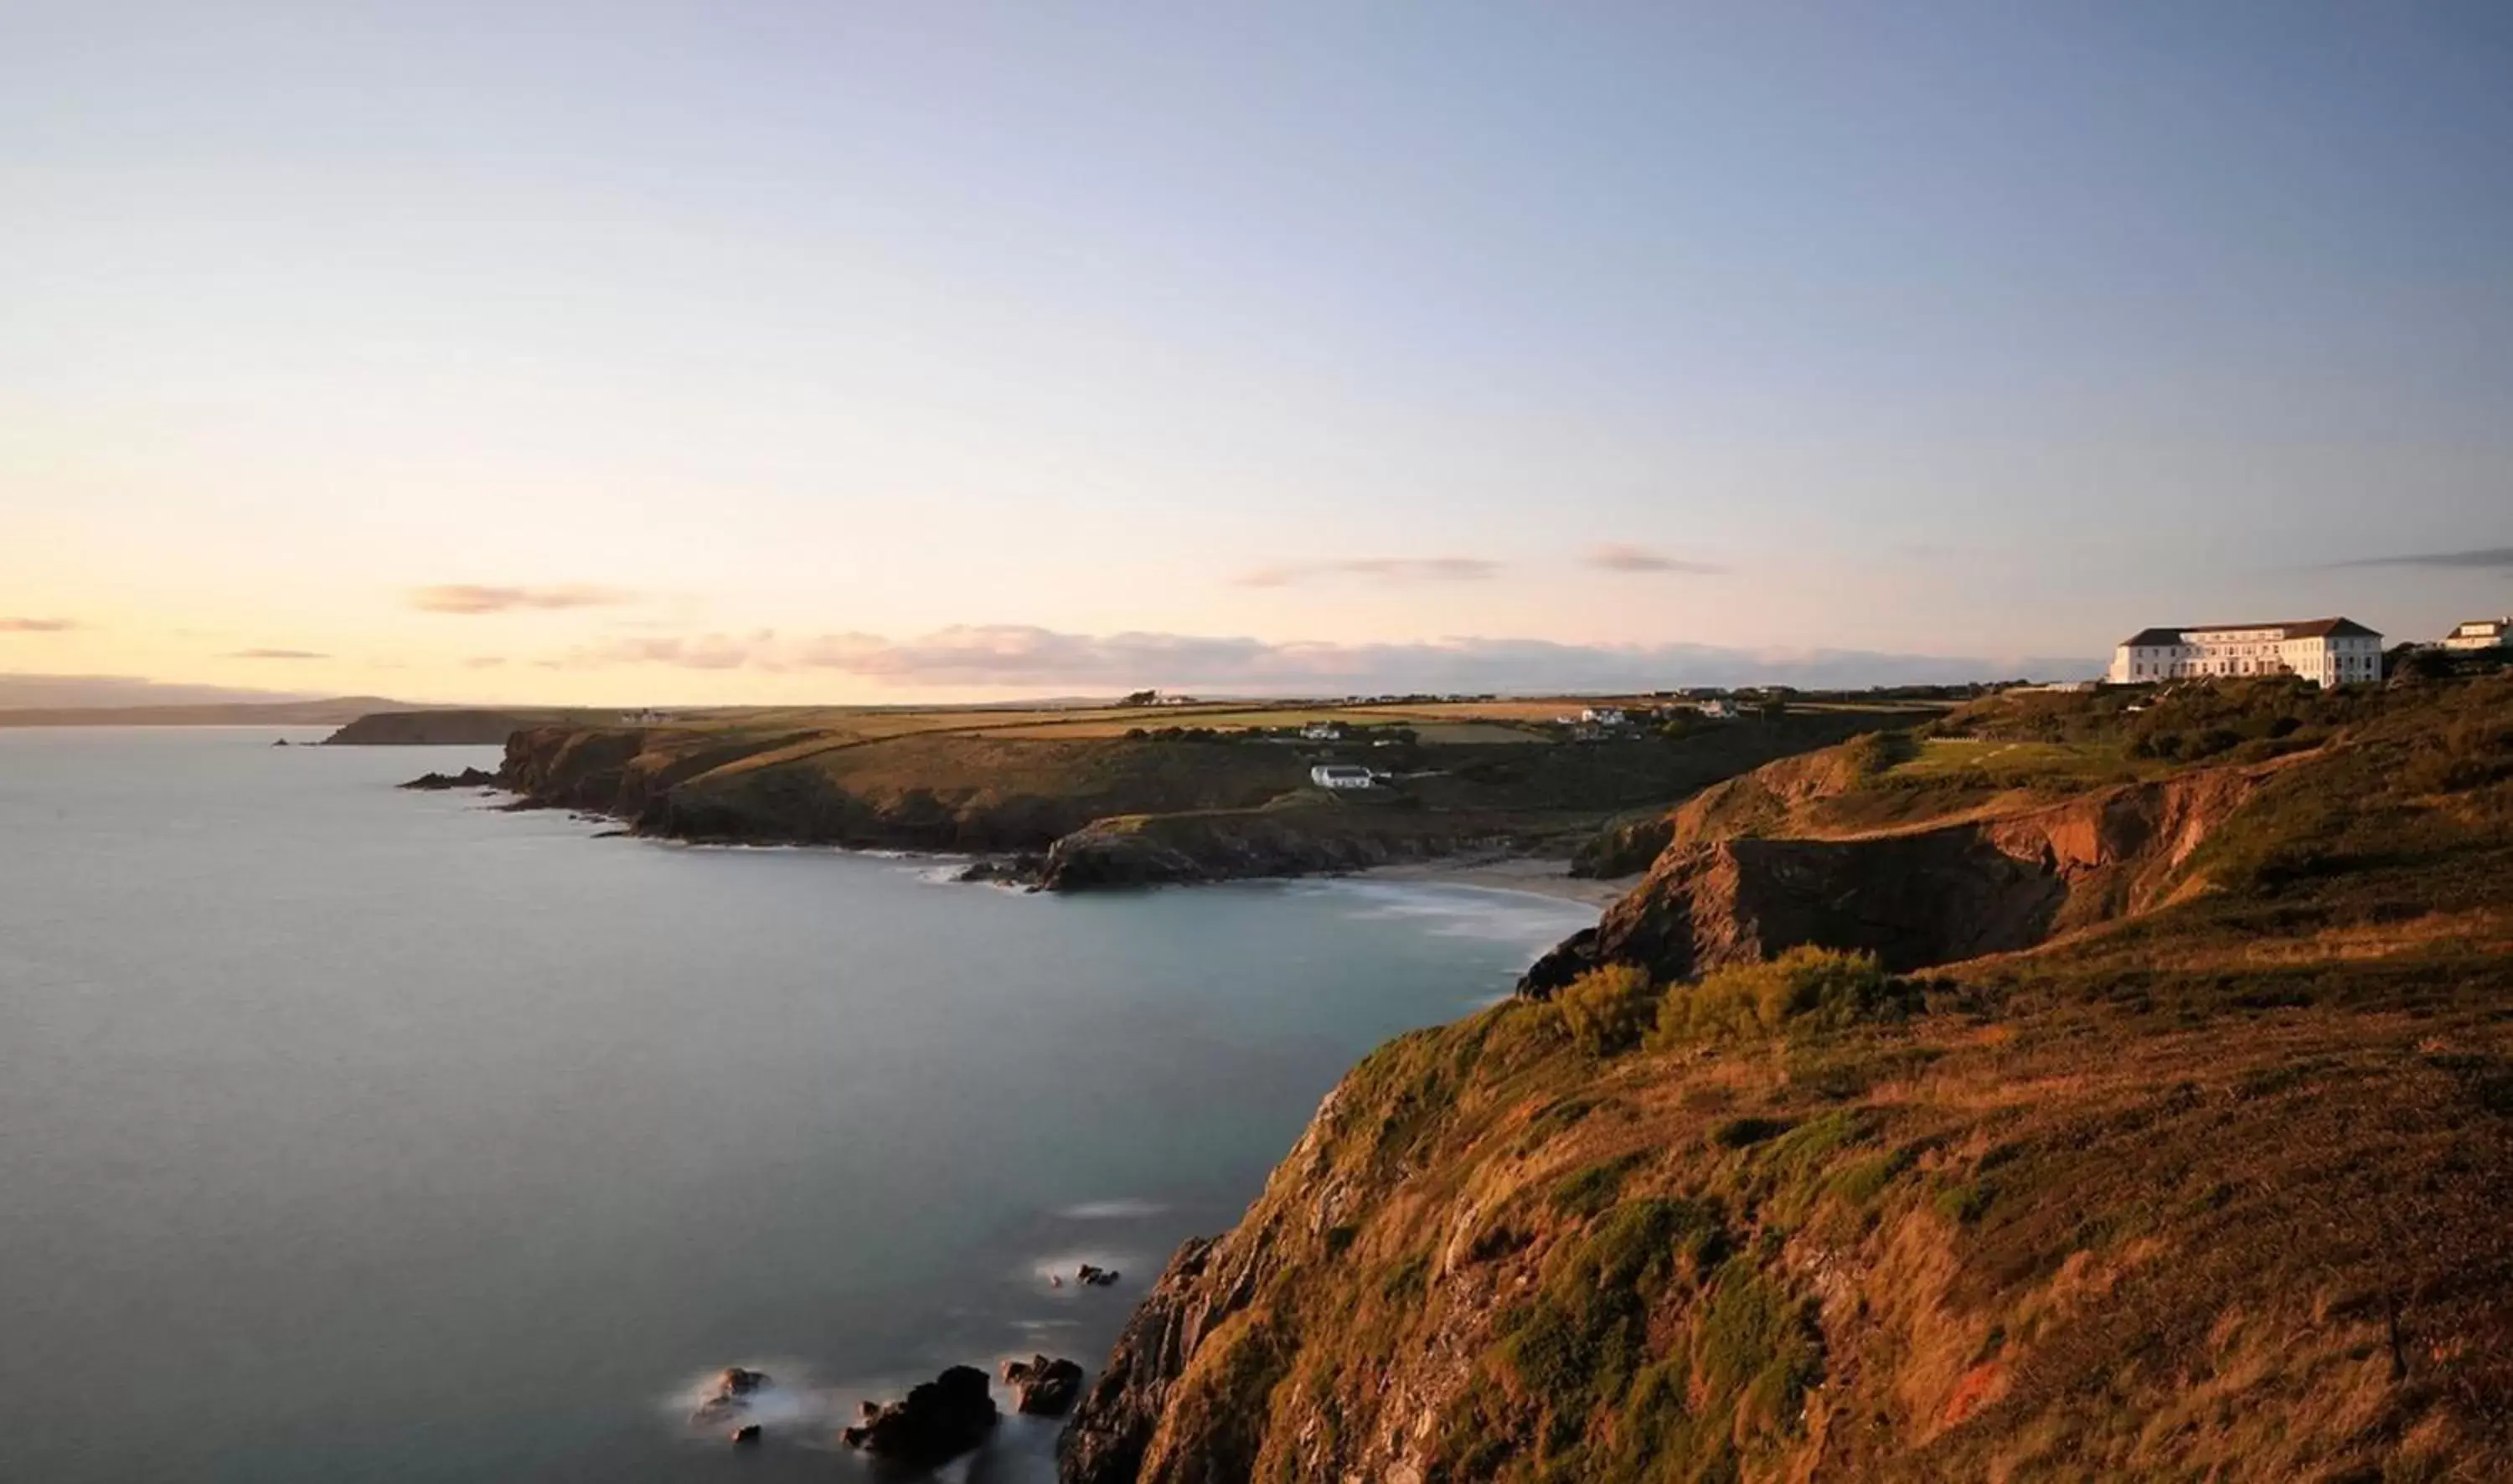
355,1134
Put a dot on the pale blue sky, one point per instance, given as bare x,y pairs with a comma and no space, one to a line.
762,346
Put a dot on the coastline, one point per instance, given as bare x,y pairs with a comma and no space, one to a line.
1534,874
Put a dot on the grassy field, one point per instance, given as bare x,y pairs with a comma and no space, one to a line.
1511,722
1499,722
998,778
2024,764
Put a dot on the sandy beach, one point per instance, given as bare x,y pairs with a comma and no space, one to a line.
1507,872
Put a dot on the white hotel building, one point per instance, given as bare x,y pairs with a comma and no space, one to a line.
2479,634
2332,652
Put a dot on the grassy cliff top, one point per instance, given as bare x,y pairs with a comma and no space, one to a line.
2211,1192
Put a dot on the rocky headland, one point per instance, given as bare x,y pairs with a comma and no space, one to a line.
1109,811
2074,1091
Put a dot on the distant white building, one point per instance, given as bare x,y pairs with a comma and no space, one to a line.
1342,775
1322,731
1603,716
2327,651
2479,634
1717,709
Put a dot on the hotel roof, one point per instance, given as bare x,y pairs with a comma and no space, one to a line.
2314,628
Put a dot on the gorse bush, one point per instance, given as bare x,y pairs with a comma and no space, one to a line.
1806,990
1876,753
2469,752
1609,1009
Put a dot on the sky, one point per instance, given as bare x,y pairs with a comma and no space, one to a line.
644,353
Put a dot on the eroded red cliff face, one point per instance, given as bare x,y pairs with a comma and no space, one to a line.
1719,895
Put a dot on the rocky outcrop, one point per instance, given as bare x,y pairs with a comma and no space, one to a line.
731,1396
1623,847
1915,898
468,779
1222,807
1043,1387
1106,1442
1172,849
623,771
448,728
938,1421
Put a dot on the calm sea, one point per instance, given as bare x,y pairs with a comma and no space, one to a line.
348,1133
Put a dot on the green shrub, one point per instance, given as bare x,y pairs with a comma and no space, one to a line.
1805,990
1741,1133
1595,1187
1876,753
1609,1009
1761,1347
1583,1337
1963,1204
1863,1181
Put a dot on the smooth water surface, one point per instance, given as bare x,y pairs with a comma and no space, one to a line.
348,1133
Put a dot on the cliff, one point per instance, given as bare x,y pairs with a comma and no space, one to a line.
444,726
1916,896
2209,1188
1123,811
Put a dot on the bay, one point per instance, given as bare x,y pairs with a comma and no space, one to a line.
352,1133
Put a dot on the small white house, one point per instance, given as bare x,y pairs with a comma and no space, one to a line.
1322,731
1716,708
2479,634
1603,716
1342,775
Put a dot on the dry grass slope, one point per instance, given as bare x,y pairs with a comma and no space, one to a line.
2214,1192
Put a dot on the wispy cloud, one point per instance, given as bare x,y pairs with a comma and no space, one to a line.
473,598
2482,559
484,662
37,625
1020,656
705,651
1615,556
274,654
1388,569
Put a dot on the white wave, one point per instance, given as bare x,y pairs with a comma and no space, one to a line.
1124,1209
1461,911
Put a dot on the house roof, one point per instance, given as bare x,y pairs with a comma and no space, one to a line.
2315,628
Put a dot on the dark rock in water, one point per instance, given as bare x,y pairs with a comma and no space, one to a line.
733,1388
1044,1388
468,779
282,742
1016,869
747,1435
941,1418
1097,1278
1565,961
